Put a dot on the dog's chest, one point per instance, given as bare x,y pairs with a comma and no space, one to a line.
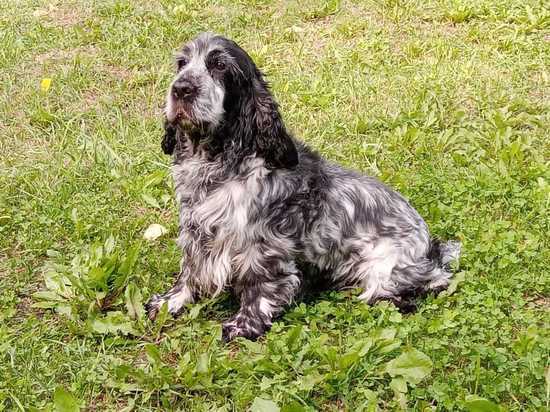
217,211
216,206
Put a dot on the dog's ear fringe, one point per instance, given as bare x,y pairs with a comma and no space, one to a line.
168,143
271,139
275,145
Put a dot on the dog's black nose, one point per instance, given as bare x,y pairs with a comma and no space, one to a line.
183,89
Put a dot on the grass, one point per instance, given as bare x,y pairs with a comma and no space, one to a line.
447,101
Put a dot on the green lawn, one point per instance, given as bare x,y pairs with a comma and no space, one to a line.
447,101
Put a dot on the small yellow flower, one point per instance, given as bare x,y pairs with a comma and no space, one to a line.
45,85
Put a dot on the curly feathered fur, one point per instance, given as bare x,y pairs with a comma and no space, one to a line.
263,215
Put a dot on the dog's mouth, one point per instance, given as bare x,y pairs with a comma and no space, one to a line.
183,114
183,119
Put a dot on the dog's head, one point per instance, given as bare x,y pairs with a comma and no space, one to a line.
219,92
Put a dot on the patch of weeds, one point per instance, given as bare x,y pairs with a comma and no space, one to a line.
95,282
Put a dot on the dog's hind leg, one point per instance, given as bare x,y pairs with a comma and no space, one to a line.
371,270
378,283
179,295
260,302
386,272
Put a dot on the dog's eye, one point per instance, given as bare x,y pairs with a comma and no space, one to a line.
219,65
181,62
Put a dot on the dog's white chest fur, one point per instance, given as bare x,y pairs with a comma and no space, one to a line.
215,231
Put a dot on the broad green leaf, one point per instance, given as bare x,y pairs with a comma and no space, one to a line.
153,354
154,178
365,346
526,341
77,283
46,304
293,335
134,303
412,365
399,385
48,296
477,404
127,267
66,310
385,334
308,382
129,262
252,346
42,117
162,317
396,317
150,200
387,346
110,264
64,401
264,405
203,363
96,251
57,283
385,340
348,359
195,310
401,399
371,405
110,244
294,407
457,278
98,278
113,323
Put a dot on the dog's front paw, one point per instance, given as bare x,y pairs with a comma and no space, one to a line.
242,327
231,331
153,306
175,308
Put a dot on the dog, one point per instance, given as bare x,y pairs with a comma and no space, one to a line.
266,217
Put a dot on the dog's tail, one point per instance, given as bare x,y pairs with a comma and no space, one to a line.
444,256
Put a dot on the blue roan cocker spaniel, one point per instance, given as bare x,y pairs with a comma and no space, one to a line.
266,217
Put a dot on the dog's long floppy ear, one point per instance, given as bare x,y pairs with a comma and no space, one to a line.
169,140
272,140
252,115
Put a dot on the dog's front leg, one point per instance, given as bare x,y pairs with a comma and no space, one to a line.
179,295
259,304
